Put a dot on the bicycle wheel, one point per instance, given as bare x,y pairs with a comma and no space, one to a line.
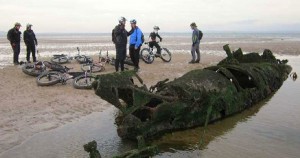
166,55
146,56
83,59
48,79
83,82
60,59
30,70
91,68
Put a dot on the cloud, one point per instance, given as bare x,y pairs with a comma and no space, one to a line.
172,15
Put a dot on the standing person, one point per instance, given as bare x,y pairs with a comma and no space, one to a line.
119,38
14,37
135,44
153,42
196,44
31,42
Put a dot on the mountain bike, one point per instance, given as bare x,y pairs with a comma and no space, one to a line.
37,68
81,80
148,54
63,58
93,67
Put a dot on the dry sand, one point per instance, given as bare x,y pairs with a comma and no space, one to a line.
26,109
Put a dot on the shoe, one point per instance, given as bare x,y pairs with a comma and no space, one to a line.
136,69
157,55
192,62
197,61
29,61
16,63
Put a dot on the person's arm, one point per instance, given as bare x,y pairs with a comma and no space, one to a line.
159,37
25,37
139,38
195,37
130,32
36,43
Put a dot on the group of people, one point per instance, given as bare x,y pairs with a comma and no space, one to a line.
14,37
119,38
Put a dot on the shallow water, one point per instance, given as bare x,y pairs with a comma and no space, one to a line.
269,129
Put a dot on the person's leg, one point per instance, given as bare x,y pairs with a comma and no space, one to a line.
193,54
18,47
198,54
28,50
137,57
122,60
33,53
117,58
131,53
157,47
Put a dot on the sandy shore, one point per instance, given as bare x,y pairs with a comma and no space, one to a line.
27,109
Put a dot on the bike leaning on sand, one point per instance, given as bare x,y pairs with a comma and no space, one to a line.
148,54
93,67
81,80
63,58
37,68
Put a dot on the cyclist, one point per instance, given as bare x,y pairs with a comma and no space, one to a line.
119,38
135,43
153,42
14,37
31,43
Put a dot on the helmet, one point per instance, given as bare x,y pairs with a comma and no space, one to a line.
193,24
156,28
122,19
17,24
28,25
133,21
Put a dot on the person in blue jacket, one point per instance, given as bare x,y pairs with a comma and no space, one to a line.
135,44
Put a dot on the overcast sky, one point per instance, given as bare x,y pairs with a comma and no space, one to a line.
86,16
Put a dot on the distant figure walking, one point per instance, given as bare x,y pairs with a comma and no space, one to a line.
135,43
196,37
31,43
14,37
153,42
119,38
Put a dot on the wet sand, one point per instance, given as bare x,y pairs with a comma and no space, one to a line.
27,109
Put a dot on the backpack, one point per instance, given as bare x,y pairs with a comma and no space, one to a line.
200,35
113,37
142,38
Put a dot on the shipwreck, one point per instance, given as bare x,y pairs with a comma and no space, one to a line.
199,97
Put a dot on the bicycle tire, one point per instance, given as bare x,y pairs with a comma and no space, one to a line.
83,59
146,56
60,59
51,78
86,83
166,56
30,70
94,68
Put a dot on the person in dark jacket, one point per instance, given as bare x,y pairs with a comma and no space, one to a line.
153,42
196,44
14,37
31,43
119,38
135,44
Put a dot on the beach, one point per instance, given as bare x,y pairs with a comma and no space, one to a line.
27,109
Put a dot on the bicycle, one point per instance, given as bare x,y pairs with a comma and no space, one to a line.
81,80
39,67
93,67
63,58
148,54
